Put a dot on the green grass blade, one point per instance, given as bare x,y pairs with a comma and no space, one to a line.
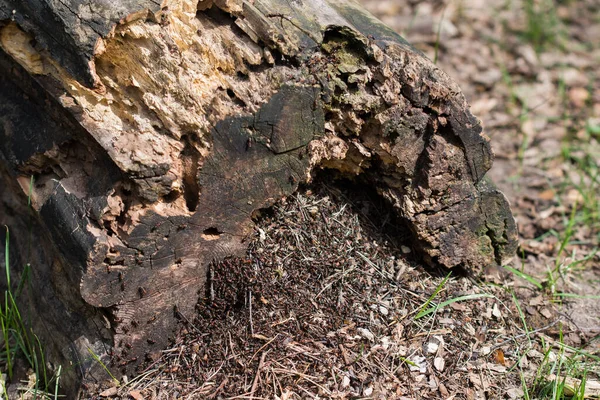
443,304
521,315
30,191
56,385
409,362
99,361
42,364
7,257
437,290
577,296
525,276
568,233
6,337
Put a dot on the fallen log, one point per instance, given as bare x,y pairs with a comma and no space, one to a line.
155,132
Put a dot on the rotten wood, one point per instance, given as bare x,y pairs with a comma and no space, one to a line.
155,132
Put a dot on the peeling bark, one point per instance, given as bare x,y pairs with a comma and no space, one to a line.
156,131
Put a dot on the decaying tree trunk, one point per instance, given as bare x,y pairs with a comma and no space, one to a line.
155,131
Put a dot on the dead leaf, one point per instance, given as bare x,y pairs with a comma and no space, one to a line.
496,368
546,213
287,395
367,334
458,306
573,197
515,393
345,382
136,395
547,194
347,358
546,313
443,390
579,96
499,357
109,392
592,388
439,363
528,128
496,311
419,363
432,347
536,301
470,329
477,380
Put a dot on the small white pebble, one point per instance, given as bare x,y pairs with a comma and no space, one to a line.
405,249
368,391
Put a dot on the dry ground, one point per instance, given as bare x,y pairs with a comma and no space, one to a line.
330,303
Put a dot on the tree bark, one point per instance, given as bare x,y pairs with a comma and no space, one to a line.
155,132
